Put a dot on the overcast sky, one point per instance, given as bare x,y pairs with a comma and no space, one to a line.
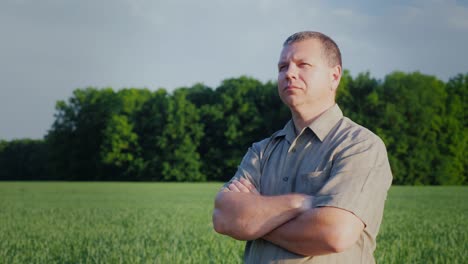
48,48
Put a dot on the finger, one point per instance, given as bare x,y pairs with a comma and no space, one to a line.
254,191
233,188
245,182
241,187
249,185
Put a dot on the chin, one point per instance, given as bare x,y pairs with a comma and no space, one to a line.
291,99
293,104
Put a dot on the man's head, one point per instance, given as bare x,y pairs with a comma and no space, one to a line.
309,71
329,48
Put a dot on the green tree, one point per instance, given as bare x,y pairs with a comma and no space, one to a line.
197,133
411,125
77,134
149,125
180,140
343,96
364,107
453,139
23,159
241,120
273,113
120,148
208,103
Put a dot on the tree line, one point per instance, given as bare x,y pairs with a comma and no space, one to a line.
200,134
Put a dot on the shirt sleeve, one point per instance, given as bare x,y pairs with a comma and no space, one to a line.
359,180
249,167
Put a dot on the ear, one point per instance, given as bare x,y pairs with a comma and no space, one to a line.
335,77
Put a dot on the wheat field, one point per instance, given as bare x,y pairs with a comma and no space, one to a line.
95,222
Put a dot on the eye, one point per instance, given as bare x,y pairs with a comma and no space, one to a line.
305,64
282,67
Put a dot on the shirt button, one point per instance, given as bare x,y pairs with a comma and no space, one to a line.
285,179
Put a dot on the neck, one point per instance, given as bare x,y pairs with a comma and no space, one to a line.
304,117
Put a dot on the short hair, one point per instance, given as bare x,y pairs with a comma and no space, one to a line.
330,49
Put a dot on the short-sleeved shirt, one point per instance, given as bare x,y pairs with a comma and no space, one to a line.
339,162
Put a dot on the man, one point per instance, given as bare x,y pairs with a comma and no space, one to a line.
314,191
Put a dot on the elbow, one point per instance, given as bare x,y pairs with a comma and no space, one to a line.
218,224
235,225
341,239
235,228
246,232
338,246
232,228
218,219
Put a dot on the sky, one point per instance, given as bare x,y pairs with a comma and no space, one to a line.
49,48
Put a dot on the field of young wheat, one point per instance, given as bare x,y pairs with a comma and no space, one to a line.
64,222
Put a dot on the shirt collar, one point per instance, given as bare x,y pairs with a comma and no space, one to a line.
288,131
326,121
321,126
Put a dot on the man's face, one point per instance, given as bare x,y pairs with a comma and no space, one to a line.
304,77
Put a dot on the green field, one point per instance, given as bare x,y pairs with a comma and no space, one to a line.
52,222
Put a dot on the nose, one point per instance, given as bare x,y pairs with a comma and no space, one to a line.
291,73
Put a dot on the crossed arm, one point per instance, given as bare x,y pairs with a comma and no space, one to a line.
289,221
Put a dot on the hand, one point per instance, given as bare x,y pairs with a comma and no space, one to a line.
243,185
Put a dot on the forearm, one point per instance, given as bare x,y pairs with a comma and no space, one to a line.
318,231
246,216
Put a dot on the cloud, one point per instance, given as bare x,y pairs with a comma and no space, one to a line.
342,12
458,18
425,36
50,47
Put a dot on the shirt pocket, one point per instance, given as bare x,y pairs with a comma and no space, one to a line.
311,182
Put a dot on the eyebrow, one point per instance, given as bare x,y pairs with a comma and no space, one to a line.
282,62
295,61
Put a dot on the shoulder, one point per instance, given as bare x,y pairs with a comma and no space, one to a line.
354,132
260,147
348,134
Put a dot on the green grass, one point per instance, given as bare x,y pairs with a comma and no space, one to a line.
52,222
424,225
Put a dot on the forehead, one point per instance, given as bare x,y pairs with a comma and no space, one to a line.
305,49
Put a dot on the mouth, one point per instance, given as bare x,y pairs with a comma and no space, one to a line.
291,88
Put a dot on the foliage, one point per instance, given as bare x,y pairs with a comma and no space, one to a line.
23,159
180,140
198,133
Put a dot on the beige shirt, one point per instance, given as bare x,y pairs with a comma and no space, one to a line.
339,162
